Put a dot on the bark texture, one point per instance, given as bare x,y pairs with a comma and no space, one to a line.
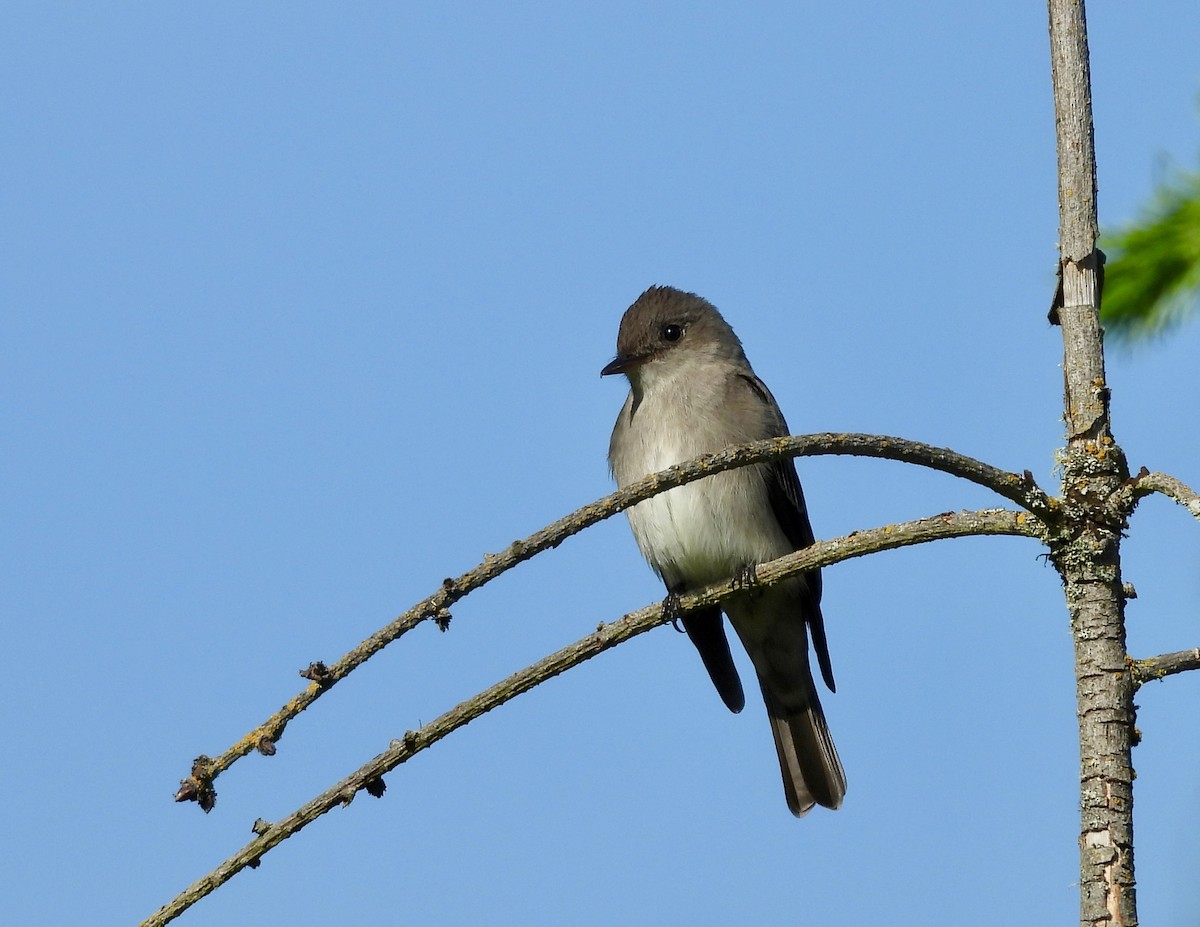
1088,553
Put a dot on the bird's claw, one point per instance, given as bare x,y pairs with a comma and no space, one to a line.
745,578
670,610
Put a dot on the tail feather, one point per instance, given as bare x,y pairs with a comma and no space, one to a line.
808,760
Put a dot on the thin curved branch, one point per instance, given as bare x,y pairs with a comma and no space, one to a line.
1165,664
1146,483
605,637
1021,489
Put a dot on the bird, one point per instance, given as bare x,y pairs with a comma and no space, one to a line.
691,392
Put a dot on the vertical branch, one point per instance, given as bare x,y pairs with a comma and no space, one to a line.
1078,304
1088,557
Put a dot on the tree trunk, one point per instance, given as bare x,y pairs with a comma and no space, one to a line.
1088,558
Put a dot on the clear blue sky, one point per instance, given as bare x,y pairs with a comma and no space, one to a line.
304,307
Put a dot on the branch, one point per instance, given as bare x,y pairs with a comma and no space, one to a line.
1021,489
1070,71
1146,483
1094,470
1165,664
606,636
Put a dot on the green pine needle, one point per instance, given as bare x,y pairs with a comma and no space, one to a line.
1152,276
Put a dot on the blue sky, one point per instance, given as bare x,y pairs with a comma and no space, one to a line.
304,310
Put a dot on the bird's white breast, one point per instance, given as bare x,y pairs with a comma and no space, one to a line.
707,530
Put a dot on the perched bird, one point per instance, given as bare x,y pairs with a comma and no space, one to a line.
692,392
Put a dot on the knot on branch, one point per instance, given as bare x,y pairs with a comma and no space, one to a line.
375,787
198,786
1098,497
319,673
1096,483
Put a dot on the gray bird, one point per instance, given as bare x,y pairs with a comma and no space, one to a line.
692,392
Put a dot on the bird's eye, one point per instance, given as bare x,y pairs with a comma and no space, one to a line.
672,332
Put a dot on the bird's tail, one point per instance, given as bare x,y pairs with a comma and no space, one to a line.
812,772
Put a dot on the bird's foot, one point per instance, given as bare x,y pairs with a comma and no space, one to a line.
670,610
745,578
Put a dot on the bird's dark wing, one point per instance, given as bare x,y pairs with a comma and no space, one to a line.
706,629
787,502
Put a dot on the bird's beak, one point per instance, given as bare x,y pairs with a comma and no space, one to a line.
620,364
